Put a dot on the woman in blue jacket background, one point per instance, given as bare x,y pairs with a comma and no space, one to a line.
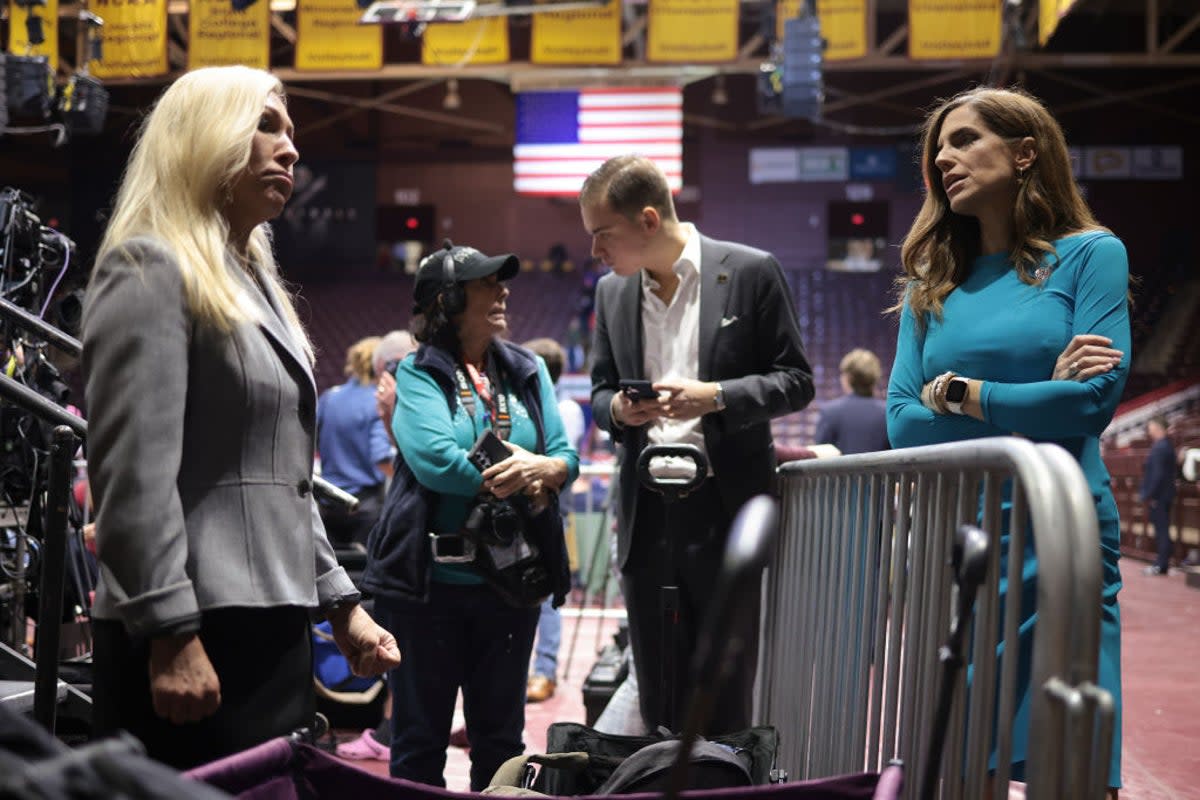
455,630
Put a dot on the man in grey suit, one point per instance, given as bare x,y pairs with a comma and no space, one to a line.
711,324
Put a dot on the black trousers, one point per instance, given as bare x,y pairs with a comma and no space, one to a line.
698,526
467,637
263,658
1160,517
345,528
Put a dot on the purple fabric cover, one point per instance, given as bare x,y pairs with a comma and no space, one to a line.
280,770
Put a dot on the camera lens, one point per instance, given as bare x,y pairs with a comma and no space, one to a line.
506,526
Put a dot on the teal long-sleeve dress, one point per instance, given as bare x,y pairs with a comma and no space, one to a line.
1008,334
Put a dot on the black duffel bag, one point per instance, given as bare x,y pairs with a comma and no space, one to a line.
755,748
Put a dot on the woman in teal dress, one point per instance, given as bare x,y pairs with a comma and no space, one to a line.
1014,319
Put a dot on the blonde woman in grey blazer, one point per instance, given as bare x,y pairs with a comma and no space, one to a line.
201,398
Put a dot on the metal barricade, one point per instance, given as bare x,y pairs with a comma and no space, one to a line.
857,602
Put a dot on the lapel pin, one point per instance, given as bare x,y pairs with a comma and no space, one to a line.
722,277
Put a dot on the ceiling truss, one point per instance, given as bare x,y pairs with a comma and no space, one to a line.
1167,43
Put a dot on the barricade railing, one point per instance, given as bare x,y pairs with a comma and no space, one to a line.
858,601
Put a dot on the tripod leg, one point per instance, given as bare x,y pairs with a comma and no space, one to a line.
591,567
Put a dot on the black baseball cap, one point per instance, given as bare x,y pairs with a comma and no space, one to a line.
468,264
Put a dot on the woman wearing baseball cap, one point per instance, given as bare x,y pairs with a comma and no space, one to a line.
434,556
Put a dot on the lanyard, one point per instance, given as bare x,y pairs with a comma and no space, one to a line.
497,403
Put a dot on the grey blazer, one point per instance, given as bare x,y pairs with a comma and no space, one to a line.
199,454
749,341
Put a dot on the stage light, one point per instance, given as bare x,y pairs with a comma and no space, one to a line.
84,105
453,100
720,96
803,67
29,85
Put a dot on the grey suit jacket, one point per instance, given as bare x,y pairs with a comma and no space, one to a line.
749,341
199,453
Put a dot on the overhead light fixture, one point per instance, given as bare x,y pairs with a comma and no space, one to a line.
34,33
84,104
720,96
29,85
803,90
415,12
423,11
452,101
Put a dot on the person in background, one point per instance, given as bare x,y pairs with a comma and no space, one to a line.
393,348
857,421
389,352
1158,491
202,424
543,680
457,627
712,325
356,453
1014,317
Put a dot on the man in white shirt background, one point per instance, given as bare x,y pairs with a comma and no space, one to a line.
712,325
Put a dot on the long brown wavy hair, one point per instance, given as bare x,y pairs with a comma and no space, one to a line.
941,245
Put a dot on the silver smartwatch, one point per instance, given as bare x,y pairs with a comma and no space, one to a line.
956,394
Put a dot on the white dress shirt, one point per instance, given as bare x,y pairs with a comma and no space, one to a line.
671,346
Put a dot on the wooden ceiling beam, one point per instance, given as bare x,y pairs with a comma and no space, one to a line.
365,103
1184,32
630,72
893,90
285,31
1103,96
373,104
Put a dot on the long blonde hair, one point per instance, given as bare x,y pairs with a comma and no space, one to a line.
191,150
941,245
358,360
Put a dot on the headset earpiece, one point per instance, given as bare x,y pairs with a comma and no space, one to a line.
451,297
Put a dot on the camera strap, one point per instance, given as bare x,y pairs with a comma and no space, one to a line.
497,402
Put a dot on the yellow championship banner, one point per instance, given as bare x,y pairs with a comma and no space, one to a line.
219,36
587,36
692,30
328,36
953,28
843,25
476,41
1049,13
135,39
18,32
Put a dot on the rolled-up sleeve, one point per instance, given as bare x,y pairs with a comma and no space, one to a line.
334,586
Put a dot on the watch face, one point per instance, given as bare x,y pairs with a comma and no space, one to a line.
956,392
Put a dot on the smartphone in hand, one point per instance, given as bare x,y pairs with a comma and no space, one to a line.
638,390
488,449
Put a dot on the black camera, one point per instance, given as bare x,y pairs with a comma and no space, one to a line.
37,290
505,555
493,523
28,251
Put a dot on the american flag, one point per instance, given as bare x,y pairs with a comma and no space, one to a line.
562,136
